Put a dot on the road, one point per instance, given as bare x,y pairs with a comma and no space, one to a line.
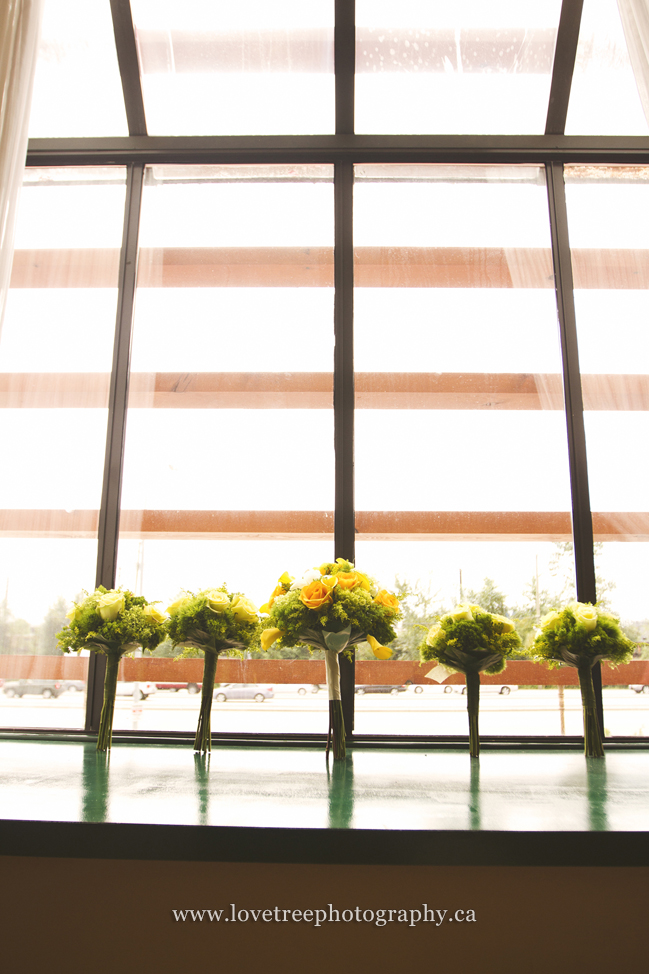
432,712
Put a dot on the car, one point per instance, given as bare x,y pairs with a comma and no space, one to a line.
434,688
44,688
74,686
379,688
503,690
243,691
126,688
174,687
639,687
302,689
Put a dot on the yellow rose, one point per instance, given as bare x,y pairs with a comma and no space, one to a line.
244,609
461,613
177,604
349,580
507,624
551,620
433,633
110,605
268,637
381,652
315,595
216,601
388,600
73,614
586,615
152,613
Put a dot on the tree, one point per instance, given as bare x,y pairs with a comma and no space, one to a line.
55,619
489,598
419,610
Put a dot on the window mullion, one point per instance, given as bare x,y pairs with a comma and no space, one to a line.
108,530
582,523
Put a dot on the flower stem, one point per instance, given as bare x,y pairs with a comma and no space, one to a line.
473,709
593,747
338,729
105,735
203,739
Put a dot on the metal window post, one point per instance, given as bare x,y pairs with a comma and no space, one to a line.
582,523
108,530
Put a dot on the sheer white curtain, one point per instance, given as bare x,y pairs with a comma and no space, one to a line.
20,22
635,21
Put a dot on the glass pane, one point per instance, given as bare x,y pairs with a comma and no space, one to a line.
608,208
229,467
250,68
462,486
604,97
458,67
55,360
77,87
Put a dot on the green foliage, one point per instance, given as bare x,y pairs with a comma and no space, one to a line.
197,626
480,641
565,638
131,627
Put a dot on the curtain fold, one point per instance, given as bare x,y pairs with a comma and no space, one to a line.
635,22
20,23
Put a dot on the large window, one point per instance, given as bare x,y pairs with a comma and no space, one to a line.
329,297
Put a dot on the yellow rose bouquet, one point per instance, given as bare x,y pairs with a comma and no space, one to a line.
111,622
581,635
211,622
471,641
331,608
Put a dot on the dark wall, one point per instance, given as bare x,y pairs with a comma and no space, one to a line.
94,915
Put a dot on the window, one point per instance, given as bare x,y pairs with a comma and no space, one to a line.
397,238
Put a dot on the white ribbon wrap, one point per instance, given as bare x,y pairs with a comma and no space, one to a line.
333,673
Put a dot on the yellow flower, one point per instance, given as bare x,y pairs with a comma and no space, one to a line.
381,652
268,637
551,620
460,613
216,601
244,609
152,613
433,633
73,614
586,615
177,604
283,585
315,595
507,624
388,600
110,605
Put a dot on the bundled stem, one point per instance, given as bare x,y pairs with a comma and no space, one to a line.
593,747
203,739
473,709
105,736
336,720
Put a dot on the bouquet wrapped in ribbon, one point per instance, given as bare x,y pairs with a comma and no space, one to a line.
471,641
112,622
581,635
331,608
210,623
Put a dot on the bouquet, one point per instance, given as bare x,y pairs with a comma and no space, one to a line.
331,608
470,640
112,622
211,622
581,635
